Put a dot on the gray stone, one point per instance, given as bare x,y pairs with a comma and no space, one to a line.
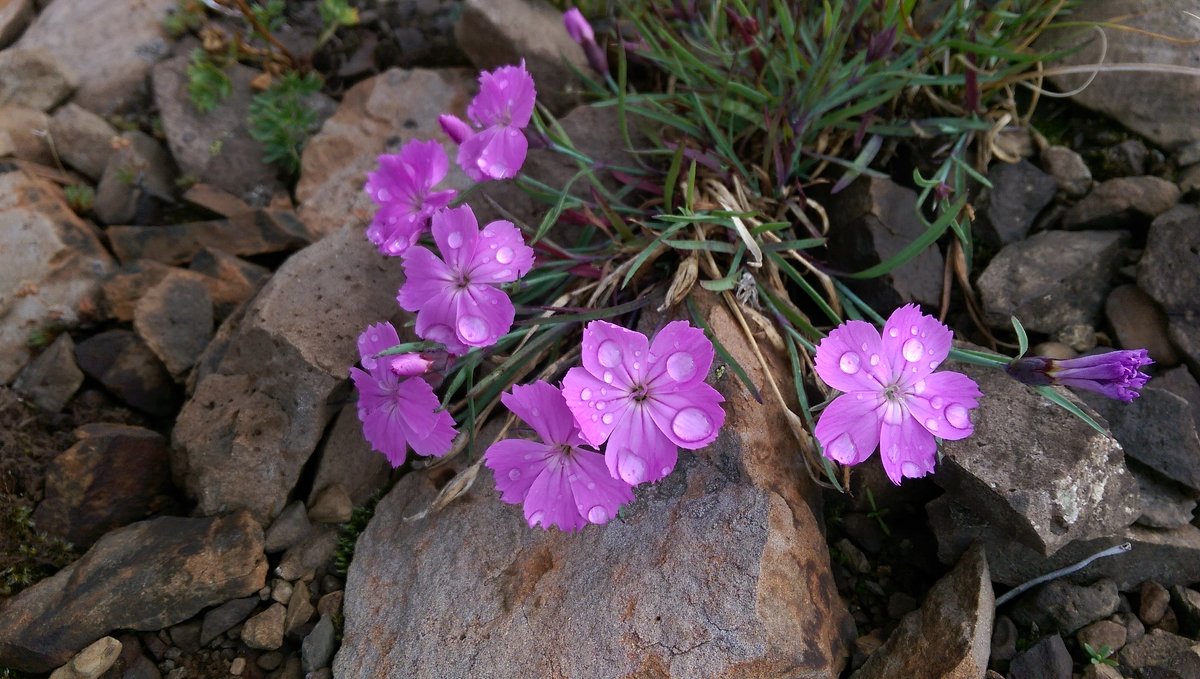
138,178
1170,556
55,282
1165,504
83,35
1103,633
1157,430
15,15
1080,337
332,505
281,591
236,442
240,279
33,78
874,220
1079,489
1188,154
1068,169
146,576
347,460
751,595
51,379
175,319
312,554
524,29
950,636
1123,202
1154,602
1127,158
257,233
1063,607
1140,323
1158,647
127,368
299,609
1047,659
1184,332
1135,31
376,116
214,147
289,528
1169,270
92,661
222,618
83,139
317,649
265,630
1050,280
186,636
1020,191
1180,382
1186,604
1189,182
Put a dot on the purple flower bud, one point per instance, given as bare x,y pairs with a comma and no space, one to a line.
1115,374
578,27
455,128
409,365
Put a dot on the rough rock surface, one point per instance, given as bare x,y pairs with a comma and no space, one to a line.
80,34
1135,98
92,661
347,460
254,233
249,428
33,78
1068,169
1164,503
1020,191
52,269
175,319
1079,489
146,576
1140,323
1051,280
1168,270
82,138
950,636
1060,606
20,137
126,367
138,179
51,379
1124,202
376,116
1047,659
1157,430
15,15
748,592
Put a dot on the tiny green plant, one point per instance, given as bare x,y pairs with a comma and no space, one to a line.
348,534
80,197
1100,656
36,556
188,15
208,84
335,14
281,120
877,513
269,14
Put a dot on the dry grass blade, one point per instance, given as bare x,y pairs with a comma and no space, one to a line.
457,487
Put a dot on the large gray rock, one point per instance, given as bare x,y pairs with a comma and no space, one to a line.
253,233
1140,323
83,139
1164,503
175,319
1078,489
1157,430
1135,98
32,78
51,379
21,134
15,15
243,438
950,636
1061,606
1020,191
138,179
146,576
1124,202
376,116
719,570
53,265
109,45
123,363
1051,280
348,461
1169,270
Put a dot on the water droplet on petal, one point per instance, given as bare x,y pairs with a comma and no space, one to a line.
384,195
666,470
893,452
607,419
608,377
957,416
849,362
609,354
931,424
692,424
598,515
637,366
933,365
911,470
842,449
472,329
631,468
919,387
874,359
536,518
601,405
536,412
864,346
585,394
505,273
514,474
504,255
603,391
912,349
595,417
913,330
454,240
936,402
681,366
893,332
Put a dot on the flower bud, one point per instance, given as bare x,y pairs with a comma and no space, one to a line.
578,27
455,128
409,365
1115,374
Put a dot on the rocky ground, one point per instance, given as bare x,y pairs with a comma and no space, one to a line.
185,492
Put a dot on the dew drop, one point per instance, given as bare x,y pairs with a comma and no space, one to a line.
536,412
864,346
454,240
488,233
913,331
637,366
608,377
631,468
893,332
912,349
919,387
607,419
666,470
603,391
936,402
692,424
931,424
681,366
536,518
609,354
842,449
595,417
472,329
384,195
504,255
911,470
874,359
957,416
598,514
849,362
893,452
514,474
601,405
585,395
933,365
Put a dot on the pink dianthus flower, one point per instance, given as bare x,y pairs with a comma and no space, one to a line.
397,412
560,483
402,187
892,398
646,399
458,300
502,109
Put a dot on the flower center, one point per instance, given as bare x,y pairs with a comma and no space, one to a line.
638,393
892,392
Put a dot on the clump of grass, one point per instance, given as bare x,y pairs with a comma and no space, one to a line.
208,84
80,197
348,534
282,121
37,555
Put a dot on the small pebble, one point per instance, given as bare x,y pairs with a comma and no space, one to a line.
237,666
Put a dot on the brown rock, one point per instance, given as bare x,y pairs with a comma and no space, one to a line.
1139,323
83,139
215,200
113,476
288,529
378,115
175,319
138,178
1154,601
312,554
92,661
250,234
950,636
237,280
332,505
128,369
32,78
220,619
265,630
1068,169
19,135
1122,202
124,288
347,460
1156,648
53,264
52,378
750,592
80,34
528,30
299,608
15,15
331,604
146,576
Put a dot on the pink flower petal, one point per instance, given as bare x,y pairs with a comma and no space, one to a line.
597,494
455,231
617,356
941,403
638,451
483,315
516,464
493,153
542,406
682,356
577,26
436,321
550,501
396,414
454,127
506,97
375,339
848,428
583,393
436,438
436,200
907,449
690,416
914,344
850,358
501,255
394,229
426,277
